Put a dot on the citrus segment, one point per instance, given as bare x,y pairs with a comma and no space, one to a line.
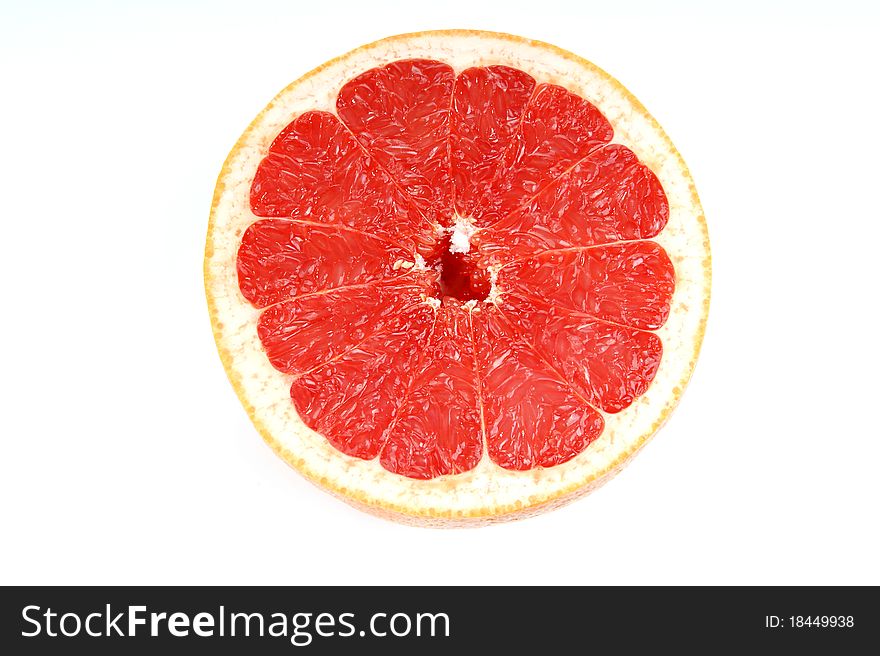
557,130
300,334
629,283
400,113
352,398
280,259
609,365
316,171
609,196
437,426
533,417
487,111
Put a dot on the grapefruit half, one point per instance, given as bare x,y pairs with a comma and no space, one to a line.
457,277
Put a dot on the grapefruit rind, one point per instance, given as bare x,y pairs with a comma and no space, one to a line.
487,493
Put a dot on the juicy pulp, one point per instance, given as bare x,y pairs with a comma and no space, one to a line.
399,348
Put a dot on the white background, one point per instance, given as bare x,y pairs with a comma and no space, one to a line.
126,457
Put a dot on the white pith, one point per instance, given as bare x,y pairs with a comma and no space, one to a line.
460,234
487,490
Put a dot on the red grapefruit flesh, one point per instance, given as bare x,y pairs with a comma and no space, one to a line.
608,196
354,398
485,128
378,371
437,428
458,271
317,172
400,114
533,415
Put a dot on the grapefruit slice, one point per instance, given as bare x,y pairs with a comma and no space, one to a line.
457,277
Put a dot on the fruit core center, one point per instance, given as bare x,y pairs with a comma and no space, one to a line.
460,277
